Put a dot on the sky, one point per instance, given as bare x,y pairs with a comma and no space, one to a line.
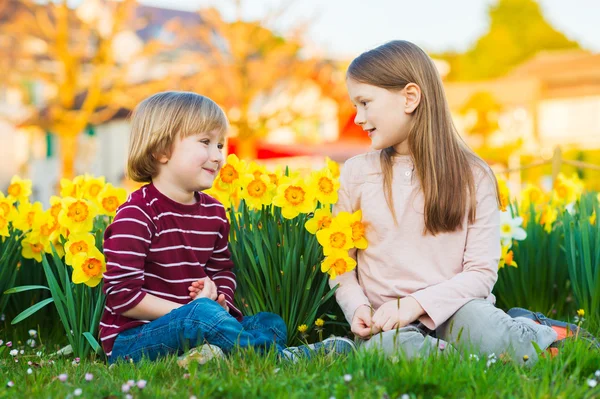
345,28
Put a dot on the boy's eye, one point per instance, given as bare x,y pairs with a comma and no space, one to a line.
220,146
205,141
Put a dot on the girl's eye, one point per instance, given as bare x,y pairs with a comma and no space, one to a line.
364,103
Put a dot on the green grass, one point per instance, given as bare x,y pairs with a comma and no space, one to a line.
248,375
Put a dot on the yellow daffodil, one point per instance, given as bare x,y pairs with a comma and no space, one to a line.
4,232
19,189
321,219
358,228
566,191
77,215
504,194
32,248
7,207
507,257
88,267
109,199
275,176
334,167
294,196
43,226
531,195
78,243
255,170
319,323
548,217
233,170
326,187
338,262
72,188
302,328
26,215
338,236
92,187
55,206
257,191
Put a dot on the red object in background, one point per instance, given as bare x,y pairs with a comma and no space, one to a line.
352,141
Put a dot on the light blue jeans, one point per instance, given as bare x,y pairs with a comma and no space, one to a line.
476,328
202,321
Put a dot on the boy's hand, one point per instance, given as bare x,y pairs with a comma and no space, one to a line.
362,323
221,301
203,288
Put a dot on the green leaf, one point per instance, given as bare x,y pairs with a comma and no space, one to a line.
31,310
23,288
92,341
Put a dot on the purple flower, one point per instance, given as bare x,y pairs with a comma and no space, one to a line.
125,388
62,377
89,376
141,384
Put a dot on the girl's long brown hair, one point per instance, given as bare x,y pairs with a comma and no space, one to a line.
443,160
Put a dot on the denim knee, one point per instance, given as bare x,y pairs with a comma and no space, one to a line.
202,309
272,320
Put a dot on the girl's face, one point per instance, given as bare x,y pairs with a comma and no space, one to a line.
383,114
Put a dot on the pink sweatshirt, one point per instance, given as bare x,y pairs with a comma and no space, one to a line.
443,272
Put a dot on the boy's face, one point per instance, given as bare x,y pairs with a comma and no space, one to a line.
194,161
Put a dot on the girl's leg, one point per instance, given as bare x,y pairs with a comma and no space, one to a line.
201,321
480,327
407,342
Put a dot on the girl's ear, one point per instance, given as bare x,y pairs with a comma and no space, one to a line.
412,93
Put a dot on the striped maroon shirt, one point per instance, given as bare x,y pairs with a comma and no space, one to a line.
158,246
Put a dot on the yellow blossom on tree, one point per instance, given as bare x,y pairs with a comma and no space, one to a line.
338,262
78,243
338,236
77,215
257,191
88,267
19,189
109,199
322,219
32,248
325,186
294,196
26,215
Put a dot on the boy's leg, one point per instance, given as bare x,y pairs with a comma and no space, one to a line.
269,324
201,321
480,327
407,342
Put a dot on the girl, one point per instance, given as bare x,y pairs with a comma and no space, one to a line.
169,243
430,206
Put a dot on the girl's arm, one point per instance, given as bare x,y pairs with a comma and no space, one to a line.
480,262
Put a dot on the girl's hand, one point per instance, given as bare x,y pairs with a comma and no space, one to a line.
362,323
203,288
397,314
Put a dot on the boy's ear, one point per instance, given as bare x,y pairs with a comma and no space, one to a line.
161,158
412,92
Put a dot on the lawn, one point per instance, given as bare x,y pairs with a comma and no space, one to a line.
34,373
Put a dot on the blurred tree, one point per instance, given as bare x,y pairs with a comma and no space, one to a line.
248,69
481,111
73,65
517,31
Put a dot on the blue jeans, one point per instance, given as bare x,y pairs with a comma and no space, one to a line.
199,322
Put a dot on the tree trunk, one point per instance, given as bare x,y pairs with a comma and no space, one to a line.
68,148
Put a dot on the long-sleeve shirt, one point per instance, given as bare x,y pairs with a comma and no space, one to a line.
442,272
156,245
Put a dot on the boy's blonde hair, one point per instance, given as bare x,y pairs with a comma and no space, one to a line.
160,119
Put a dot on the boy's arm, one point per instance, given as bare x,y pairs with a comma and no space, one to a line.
126,245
